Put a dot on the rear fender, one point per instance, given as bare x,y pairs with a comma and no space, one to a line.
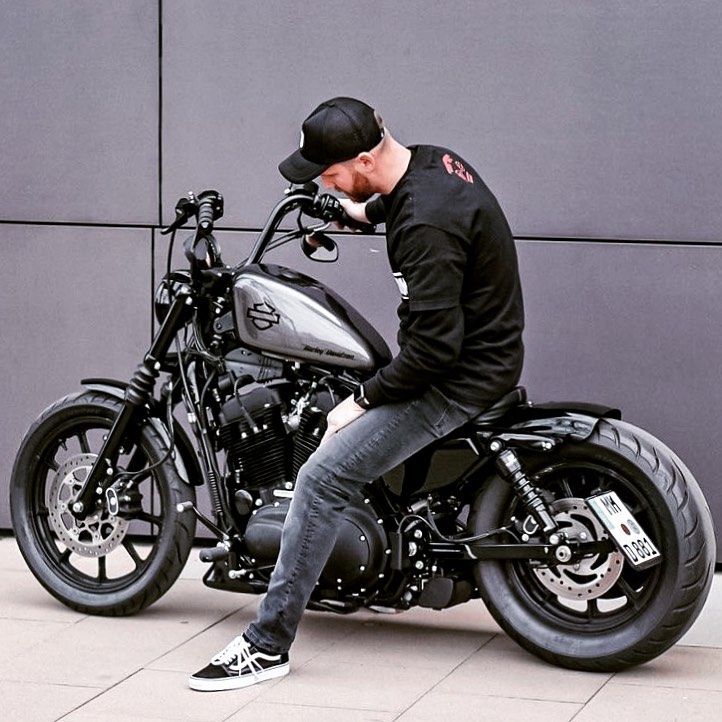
558,420
186,461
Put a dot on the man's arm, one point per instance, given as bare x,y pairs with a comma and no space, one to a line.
433,344
371,212
432,264
375,211
348,410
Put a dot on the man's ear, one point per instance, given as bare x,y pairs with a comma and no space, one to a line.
365,162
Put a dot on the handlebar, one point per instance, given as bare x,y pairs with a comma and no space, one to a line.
208,207
308,201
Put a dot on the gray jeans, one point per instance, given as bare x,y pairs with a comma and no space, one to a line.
368,447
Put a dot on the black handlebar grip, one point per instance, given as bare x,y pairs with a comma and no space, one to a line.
205,216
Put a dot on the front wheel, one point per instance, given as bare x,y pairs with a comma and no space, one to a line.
101,564
600,614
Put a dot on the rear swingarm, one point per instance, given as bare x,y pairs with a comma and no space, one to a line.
563,553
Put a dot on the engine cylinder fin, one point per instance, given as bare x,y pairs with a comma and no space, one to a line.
259,450
311,428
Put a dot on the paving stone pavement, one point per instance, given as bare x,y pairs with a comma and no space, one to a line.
420,665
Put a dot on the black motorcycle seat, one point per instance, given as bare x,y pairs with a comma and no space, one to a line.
499,408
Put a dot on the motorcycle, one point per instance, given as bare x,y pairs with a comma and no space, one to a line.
587,538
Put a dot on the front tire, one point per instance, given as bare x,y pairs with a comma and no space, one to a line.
102,565
633,616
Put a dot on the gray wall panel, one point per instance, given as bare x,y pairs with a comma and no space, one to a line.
634,326
79,117
586,118
65,316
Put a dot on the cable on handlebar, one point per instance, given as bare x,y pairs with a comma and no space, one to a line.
168,263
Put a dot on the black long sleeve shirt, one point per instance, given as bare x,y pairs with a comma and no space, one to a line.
453,257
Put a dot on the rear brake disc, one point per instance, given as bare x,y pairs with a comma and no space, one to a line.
591,576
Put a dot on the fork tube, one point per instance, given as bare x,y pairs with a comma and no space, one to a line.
137,395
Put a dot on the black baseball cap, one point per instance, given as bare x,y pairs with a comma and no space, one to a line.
337,130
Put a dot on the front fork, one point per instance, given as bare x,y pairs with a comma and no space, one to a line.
138,394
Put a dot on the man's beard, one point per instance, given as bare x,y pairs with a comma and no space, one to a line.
362,189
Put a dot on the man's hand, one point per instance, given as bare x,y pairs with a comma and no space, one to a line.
341,416
355,210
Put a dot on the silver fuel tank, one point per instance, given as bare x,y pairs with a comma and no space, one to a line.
292,315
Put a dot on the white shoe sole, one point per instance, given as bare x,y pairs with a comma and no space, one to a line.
219,685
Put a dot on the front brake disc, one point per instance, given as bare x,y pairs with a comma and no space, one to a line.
97,534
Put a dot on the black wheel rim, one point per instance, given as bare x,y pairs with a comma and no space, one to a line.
129,560
632,591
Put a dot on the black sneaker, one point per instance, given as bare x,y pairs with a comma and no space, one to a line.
240,664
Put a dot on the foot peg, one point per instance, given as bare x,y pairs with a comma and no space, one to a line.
214,554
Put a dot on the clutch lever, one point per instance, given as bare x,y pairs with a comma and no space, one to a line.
184,209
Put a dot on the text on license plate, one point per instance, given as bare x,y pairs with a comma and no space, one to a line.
629,536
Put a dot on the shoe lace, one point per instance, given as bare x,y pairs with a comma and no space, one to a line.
230,651
238,649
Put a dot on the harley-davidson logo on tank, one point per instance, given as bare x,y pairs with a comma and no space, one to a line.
294,316
263,316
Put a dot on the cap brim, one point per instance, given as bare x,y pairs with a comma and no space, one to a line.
299,170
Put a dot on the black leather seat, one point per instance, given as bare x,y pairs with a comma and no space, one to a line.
514,398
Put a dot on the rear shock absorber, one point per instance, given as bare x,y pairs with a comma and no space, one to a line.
507,462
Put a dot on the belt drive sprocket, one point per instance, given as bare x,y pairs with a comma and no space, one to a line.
97,534
591,576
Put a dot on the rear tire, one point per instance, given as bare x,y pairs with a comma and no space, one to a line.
64,562
658,605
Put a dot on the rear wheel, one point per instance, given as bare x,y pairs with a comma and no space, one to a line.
100,564
601,614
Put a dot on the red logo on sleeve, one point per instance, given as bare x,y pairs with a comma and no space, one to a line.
455,166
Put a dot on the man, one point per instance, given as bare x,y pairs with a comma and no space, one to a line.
461,319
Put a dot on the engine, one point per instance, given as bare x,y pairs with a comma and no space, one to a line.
267,440
264,448
254,437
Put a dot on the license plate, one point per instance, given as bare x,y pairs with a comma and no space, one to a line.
629,536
